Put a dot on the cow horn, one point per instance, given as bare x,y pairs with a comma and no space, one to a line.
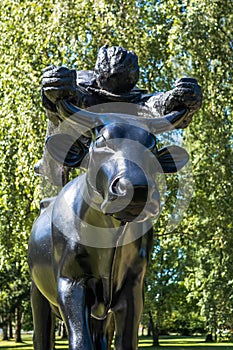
167,122
72,113
90,120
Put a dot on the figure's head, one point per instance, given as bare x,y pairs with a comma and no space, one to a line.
116,69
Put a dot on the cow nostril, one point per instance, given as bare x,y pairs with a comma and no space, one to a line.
120,186
114,186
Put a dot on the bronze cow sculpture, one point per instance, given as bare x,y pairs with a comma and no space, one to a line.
90,246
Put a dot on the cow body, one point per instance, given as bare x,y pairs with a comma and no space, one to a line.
90,246
91,281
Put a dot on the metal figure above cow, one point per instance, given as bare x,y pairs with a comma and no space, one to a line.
113,79
90,246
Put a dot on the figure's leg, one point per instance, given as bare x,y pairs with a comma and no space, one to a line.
54,173
75,313
127,318
43,320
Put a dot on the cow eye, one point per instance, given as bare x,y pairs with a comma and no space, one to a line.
150,143
100,141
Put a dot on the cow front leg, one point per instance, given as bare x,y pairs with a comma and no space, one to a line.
101,333
43,320
75,313
127,318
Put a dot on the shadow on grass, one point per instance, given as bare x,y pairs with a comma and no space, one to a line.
11,345
15,346
183,343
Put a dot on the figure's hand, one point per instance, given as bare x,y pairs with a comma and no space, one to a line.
58,83
186,94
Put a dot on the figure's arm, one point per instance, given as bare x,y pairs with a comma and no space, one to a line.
57,83
186,94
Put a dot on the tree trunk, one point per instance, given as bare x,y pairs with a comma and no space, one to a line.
63,331
10,329
155,331
18,325
215,336
209,338
5,331
149,330
59,328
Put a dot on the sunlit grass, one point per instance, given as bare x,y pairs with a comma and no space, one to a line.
145,343
27,344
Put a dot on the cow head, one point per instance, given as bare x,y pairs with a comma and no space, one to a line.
123,159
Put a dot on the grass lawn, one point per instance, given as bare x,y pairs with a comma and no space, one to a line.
145,343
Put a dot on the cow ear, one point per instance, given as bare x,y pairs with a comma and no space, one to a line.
66,149
172,159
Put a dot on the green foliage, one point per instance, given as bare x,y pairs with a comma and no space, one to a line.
192,268
213,163
200,44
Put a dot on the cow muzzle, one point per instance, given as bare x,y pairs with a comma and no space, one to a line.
128,201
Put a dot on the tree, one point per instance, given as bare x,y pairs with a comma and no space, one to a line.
200,44
192,48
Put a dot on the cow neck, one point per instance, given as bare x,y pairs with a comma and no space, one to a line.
115,266
90,195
